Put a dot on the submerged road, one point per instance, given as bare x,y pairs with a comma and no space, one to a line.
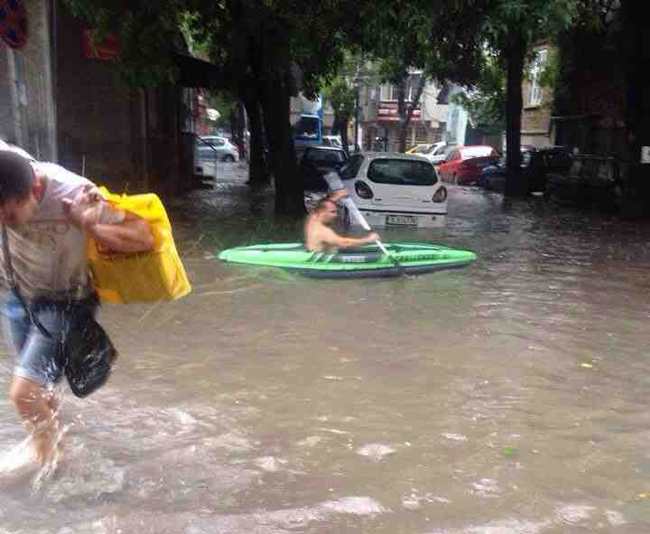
508,397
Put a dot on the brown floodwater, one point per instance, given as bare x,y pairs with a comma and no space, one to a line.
504,398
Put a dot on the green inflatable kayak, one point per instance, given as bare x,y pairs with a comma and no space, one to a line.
358,262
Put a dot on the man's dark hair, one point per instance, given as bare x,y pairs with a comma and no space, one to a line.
16,176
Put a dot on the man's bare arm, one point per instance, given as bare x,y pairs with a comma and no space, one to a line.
331,238
132,235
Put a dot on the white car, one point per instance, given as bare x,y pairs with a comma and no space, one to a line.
436,153
211,147
395,190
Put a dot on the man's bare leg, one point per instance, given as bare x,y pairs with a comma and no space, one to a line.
37,407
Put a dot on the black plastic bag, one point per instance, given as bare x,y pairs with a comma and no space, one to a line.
87,354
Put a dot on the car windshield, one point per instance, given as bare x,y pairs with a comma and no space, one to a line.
431,149
421,149
402,172
558,161
214,141
351,168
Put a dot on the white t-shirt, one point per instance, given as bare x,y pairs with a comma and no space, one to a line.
48,254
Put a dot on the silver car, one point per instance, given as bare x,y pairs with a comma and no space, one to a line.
211,147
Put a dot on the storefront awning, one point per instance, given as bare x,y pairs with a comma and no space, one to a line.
196,72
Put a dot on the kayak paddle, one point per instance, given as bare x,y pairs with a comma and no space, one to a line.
334,182
352,208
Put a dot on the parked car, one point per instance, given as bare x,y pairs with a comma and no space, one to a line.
591,180
493,176
316,162
419,149
535,167
463,164
436,153
210,147
395,190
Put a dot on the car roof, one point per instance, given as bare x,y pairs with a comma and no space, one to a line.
325,147
394,155
470,147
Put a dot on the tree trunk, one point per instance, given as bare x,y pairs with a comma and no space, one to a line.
515,56
258,172
239,134
289,191
636,201
340,127
406,112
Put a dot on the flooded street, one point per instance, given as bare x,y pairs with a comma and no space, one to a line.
507,397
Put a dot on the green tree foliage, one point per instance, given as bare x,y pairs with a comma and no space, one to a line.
486,101
254,46
342,91
342,96
509,31
437,38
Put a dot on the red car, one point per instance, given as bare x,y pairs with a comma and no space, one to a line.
463,164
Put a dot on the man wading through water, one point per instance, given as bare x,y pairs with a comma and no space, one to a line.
49,213
319,236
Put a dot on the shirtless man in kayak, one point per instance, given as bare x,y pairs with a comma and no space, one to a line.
319,236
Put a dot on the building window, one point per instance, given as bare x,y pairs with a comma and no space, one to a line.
535,96
389,92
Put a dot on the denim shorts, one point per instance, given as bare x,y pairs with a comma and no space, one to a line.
36,354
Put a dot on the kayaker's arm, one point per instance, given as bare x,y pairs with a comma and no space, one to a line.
332,239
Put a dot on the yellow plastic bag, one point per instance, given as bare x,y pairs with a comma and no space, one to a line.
143,276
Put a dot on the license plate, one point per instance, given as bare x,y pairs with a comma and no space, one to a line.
402,220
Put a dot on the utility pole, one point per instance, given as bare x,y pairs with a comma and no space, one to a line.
356,118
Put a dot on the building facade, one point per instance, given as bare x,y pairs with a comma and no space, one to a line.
536,113
62,100
380,123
